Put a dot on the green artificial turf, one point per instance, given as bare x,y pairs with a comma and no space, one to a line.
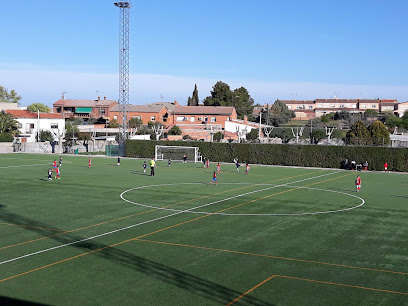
278,236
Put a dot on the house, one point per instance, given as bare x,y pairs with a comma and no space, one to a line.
146,113
84,108
307,109
401,108
30,124
389,106
215,115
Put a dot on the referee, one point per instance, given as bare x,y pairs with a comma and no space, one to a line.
152,166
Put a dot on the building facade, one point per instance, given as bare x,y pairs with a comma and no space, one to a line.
84,108
31,124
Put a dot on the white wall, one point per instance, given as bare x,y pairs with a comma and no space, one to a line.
39,125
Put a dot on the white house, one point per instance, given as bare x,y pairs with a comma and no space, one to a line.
30,124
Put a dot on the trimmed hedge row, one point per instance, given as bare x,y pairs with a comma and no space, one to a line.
284,155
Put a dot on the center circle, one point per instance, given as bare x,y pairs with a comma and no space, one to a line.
191,210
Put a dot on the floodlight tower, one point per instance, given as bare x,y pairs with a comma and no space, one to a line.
123,70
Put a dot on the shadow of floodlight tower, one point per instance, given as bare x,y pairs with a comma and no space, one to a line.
123,72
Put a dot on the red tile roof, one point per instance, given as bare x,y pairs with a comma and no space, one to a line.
16,113
203,110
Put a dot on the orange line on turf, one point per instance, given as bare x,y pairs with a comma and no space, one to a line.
343,285
133,215
311,280
67,259
12,224
64,260
250,290
271,256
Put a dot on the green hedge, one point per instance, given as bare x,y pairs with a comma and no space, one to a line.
284,155
6,137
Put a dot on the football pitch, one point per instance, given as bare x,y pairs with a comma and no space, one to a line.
278,236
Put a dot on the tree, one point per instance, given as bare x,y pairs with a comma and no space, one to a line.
135,122
277,114
253,134
342,115
379,133
45,136
217,136
405,115
220,95
175,130
8,125
72,131
318,135
371,113
11,97
358,134
113,123
243,103
91,120
38,107
193,101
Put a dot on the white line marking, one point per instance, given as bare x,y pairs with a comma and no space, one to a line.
137,224
31,165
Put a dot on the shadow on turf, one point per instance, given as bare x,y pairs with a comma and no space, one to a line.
9,301
191,283
139,173
399,196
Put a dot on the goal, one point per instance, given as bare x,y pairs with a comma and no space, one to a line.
177,153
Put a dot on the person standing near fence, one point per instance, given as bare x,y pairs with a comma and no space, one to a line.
152,166
89,163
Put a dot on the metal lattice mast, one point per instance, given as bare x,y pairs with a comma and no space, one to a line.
123,69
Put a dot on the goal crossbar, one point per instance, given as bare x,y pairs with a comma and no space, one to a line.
176,153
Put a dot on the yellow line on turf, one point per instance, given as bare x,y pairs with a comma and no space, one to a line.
270,256
133,215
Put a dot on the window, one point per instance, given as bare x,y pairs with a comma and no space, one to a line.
364,106
213,119
136,117
354,106
102,111
54,125
373,106
341,105
319,106
115,117
310,107
192,119
153,118
289,106
180,118
333,105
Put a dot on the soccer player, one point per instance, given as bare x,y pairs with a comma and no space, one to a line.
60,161
144,167
118,161
152,166
89,163
236,163
358,183
247,168
204,161
214,178
386,167
54,165
57,174
218,168
49,174
208,163
169,162
185,158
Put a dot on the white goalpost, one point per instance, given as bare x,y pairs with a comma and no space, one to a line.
177,153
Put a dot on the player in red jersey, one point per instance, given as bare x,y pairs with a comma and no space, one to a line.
214,178
208,163
89,163
386,167
54,165
358,183
57,174
247,167
218,168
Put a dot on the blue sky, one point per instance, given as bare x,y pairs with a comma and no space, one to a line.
276,49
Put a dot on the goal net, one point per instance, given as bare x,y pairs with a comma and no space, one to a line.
177,153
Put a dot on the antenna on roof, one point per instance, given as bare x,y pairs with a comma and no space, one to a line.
161,98
63,95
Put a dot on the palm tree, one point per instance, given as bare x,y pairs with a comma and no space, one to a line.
8,124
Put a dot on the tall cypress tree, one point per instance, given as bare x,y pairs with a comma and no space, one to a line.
193,101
